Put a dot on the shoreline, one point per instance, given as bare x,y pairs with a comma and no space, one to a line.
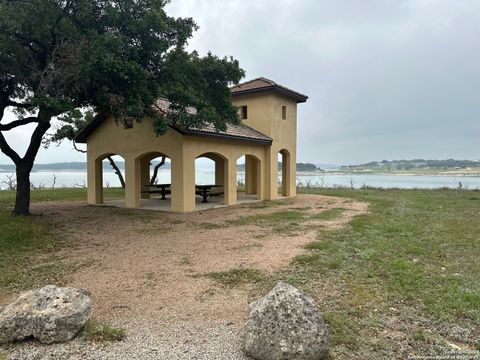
300,173
337,173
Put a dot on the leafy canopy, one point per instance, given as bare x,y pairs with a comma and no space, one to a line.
59,57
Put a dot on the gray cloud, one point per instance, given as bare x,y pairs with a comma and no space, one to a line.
386,78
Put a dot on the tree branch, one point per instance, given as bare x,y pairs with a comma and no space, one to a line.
19,105
4,147
117,171
7,150
16,123
76,148
36,140
155,170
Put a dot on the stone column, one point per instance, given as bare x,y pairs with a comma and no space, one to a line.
145,175
230,185
292,175
132,182
94,180
183,183
285,174
251,175
271,174
219,171
259,180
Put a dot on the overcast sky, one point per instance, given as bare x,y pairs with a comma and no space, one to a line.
386,79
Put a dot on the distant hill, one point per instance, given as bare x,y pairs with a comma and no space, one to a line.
328,166
415,164
304,167
70,166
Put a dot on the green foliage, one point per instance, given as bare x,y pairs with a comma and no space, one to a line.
71,59
113,56
307,167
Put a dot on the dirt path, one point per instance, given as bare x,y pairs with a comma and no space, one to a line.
145,270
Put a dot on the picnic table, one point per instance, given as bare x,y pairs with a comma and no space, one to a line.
205,191
162,189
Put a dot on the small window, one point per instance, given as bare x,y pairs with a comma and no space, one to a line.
243,112
284,112
128,123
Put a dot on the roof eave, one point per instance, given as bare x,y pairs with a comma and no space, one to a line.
199,133
297,96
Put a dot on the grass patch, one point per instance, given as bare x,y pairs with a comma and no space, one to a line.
22,240
99,331
236,277
284,222
416,252
340,330
270,203
330,214
7,197
288,222
185,260
421,246
210,226
3,355
270,219
27,243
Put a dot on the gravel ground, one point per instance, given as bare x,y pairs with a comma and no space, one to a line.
185,341
145,272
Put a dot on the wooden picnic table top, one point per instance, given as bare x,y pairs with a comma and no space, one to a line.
208,186
161,185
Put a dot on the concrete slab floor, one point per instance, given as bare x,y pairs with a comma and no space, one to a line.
157,204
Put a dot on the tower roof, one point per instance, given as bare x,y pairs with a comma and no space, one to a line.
262,85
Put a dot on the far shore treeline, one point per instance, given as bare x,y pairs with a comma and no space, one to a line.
415,164
82,166
301,167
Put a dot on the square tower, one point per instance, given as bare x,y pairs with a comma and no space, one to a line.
271,109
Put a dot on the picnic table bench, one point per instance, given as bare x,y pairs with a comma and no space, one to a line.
162,189
206,190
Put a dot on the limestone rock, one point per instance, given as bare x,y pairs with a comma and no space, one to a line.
50,314
285,324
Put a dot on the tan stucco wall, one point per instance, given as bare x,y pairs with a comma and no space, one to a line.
265,115
138,144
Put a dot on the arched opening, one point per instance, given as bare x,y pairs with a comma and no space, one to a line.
155,180
211,179
108,176
284,179
249,177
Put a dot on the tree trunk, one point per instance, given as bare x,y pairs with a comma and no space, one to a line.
22,200
24,167
117,171
155,171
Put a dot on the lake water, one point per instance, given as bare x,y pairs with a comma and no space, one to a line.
207,176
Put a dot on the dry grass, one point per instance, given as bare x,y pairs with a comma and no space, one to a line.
100,331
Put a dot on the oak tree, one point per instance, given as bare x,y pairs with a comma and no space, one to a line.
60,59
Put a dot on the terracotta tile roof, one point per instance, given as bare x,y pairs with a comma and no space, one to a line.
238,132
262,84
254,84
163,105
